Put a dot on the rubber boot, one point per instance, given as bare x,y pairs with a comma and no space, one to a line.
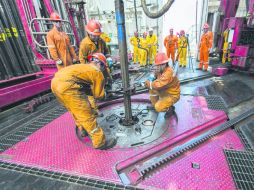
170,112
110,143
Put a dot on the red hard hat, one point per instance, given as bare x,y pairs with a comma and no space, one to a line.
55,16
98,56
161,58
182,32
206,26
93,27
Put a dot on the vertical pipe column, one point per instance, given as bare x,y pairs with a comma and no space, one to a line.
120,20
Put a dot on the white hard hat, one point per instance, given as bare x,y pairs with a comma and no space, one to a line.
150,30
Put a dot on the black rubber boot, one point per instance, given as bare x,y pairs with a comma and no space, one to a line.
84,133
170,112
150,107
110,143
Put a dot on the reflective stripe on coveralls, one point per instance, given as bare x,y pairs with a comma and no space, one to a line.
182,44
152,42
134,41
60,47
165,90
171,43
205,44
87,47
65,87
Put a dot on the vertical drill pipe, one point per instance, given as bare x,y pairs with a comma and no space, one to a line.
136,16
6,17
26,50
120,20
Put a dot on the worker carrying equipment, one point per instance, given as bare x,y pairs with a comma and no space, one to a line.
165,90
72,85
205,46
134,40
152,42
60,48
171,45
143,50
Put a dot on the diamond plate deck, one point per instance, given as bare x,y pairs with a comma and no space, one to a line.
56,148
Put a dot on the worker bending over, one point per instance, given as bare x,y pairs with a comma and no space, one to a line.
72,86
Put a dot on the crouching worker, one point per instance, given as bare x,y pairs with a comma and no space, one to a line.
164,89
71,85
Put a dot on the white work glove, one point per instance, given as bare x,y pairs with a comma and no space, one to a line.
59,62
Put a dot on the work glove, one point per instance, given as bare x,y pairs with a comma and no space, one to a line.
147,84
151,77
110,62
59,62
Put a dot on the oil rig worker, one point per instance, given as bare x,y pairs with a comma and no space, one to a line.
143,49
92,43
171,44
205,46
134,40
72,85
164,88
60,48
152,45
182,49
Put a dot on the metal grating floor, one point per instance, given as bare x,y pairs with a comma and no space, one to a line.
241,164
216,103
243,139
29,128
65,177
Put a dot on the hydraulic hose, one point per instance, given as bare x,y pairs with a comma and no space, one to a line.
163,10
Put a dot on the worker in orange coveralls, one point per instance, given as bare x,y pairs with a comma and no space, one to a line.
71,85
164,87
171,45
205,47
60,48
92,43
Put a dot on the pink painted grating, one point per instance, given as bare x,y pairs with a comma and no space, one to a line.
55,147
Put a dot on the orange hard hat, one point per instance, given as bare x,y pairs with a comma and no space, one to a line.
182,32
98,56
206,26
161,58
93,27
55,16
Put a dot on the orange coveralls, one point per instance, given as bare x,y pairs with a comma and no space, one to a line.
164,91
60,47
171,44
204,47
87,47
65,86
